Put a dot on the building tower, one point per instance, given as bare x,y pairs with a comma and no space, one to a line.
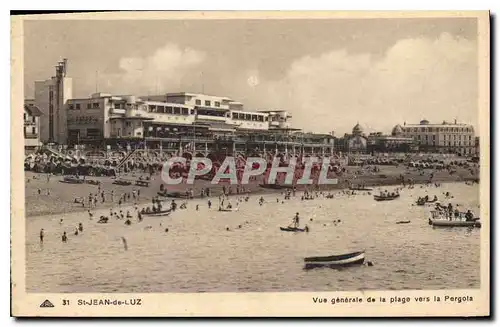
50,97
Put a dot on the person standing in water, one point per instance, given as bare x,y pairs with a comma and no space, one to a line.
80,227
64,237
296,220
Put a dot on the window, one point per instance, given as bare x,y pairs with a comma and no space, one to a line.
118,106
433,137
71,107
89,105
93,132
33,130
77,106
207,103
191,111
198,102
418,137
217,103
95,105
177,111
33,119
128,124
185,111
24,116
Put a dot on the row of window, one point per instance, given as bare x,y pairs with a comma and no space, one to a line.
170,110
463,137
77,106
249,117
208,103
448,144
438,129
91,132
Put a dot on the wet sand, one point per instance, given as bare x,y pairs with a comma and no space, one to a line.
58,198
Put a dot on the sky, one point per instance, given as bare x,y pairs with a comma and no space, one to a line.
329,74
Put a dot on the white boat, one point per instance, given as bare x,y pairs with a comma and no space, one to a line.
228,209
335,261
439,219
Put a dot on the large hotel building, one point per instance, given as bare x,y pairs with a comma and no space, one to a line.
445,137
205,123
171,122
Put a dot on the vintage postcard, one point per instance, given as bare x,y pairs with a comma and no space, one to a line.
254,164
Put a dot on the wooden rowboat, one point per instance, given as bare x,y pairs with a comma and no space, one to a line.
360,189
335,261
385,198
122,182
275,186
228,210
292,229
158,213
454,223
73,180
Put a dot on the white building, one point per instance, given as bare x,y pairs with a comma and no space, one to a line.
31,125
442,138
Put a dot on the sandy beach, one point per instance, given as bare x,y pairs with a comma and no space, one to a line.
56,197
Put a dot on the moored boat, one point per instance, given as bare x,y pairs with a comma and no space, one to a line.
228,209
292,229
275,186
335,261
180,195
454,223
157,213
385,197
360,189
73,180
442,219
122,182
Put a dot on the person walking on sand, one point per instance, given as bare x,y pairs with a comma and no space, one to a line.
64,238
41,236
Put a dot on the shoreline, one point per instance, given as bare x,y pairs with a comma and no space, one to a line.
372,181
